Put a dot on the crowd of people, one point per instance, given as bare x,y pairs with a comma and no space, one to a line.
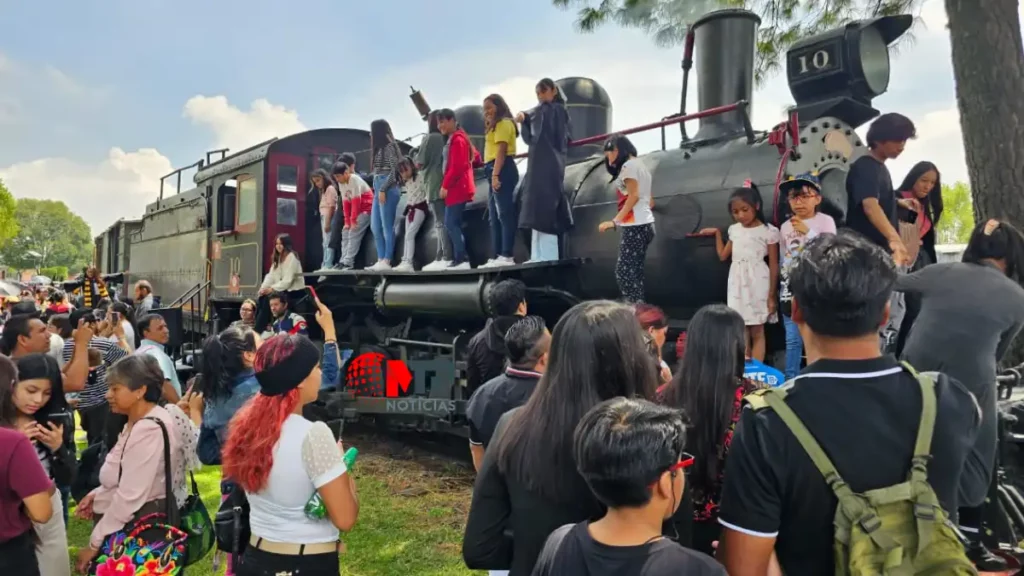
594,454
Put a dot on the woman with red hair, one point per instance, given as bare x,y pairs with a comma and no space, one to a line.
653,320
282,460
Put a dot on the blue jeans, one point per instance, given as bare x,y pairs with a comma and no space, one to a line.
794,348
453,223
328,251
501,207
382,218
543,247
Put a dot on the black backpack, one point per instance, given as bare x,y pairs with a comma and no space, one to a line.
231,524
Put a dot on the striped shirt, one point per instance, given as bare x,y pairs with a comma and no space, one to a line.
385,163
95,390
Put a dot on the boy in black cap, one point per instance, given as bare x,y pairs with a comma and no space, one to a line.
804,195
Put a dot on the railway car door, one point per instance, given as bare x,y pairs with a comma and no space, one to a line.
286,205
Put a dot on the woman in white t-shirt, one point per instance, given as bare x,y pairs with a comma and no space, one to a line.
282,460
635,218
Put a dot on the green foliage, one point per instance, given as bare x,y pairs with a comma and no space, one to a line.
8,223
54,272
957,220
49,234
782,21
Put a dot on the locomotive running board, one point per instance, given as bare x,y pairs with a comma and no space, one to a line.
570,262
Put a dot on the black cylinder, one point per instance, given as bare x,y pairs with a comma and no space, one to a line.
590,113
724,43
447,297
471,118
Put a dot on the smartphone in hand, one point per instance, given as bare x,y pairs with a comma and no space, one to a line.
313,292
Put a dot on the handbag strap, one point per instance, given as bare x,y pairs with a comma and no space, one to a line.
168,487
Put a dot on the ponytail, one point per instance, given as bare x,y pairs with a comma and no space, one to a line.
222,361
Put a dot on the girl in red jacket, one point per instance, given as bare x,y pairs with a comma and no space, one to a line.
458,185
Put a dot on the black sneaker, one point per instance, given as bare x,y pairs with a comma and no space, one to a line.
984,560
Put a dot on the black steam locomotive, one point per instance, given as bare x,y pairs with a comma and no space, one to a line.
212,244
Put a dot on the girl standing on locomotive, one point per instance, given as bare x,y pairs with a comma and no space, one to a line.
415,210
386,155
324,185
545,210
503,175
635,217
753,285
920,201
430,162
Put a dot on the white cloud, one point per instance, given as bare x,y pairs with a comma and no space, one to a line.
119,186
237,129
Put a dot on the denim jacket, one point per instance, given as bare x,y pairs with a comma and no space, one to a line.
217,415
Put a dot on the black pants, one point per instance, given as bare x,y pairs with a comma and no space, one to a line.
100,425
629,269
18,555
971,518
259,563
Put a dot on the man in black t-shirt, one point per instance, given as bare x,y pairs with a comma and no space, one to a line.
871,201
630,452
861,407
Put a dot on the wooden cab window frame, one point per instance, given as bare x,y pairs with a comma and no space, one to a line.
249,227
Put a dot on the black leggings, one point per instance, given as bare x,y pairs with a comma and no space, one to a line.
629,269
256,562
18,555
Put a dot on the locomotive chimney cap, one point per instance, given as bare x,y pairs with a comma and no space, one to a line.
726,13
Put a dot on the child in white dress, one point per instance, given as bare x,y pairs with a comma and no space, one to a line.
753,284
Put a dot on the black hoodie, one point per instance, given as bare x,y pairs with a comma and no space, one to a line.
485,353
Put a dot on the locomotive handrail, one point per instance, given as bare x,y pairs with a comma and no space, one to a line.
741,105
191,292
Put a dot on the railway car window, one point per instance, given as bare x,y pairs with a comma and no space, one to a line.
287,178
245,220
287,212
226,199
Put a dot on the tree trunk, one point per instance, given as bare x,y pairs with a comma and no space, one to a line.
988,65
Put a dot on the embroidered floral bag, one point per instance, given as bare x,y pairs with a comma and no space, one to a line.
152,545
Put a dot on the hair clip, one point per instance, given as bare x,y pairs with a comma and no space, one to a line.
748,183
990,226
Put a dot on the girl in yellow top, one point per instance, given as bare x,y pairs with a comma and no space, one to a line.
499,150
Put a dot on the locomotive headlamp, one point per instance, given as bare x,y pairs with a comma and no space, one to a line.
840,71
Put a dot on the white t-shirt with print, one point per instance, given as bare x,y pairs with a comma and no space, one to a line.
634,169
793,243
306,458
354,188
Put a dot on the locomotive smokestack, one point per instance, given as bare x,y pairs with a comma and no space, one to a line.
724,50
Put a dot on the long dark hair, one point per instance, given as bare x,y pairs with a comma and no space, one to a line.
324,176
933,203
626,150
1004,243
380,137
33,367
222,361
286,241
597,352
501,112
432,123
705,384
549,84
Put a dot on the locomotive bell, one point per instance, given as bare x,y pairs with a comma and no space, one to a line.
724,43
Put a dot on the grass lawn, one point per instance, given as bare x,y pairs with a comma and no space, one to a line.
412,512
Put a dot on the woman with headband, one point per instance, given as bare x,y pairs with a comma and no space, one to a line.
970,313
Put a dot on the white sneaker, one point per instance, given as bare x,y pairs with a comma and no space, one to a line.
382,266
405,267
504,261
463,266
437,266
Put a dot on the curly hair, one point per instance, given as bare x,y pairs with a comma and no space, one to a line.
248,454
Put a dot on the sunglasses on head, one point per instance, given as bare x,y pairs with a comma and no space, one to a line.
685,461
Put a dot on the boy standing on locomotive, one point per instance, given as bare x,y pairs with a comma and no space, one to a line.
871,208
351,224
458,185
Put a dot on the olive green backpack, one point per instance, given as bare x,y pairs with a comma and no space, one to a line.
898,530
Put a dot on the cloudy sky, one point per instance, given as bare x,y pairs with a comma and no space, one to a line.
98,100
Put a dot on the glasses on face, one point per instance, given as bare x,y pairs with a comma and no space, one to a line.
800,195
685,461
